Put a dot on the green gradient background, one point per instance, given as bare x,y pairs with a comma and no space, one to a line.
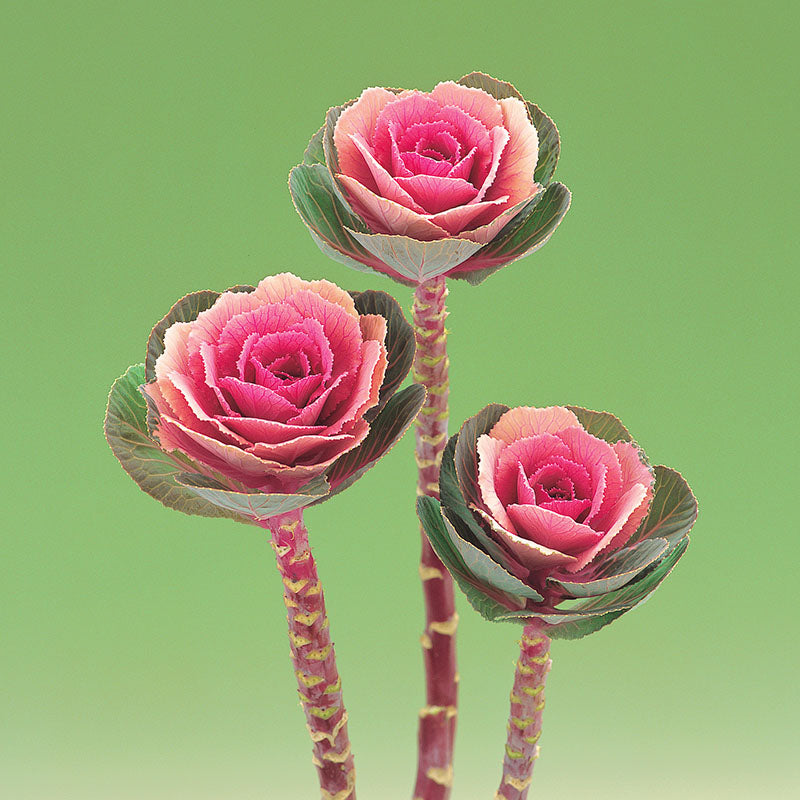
143,652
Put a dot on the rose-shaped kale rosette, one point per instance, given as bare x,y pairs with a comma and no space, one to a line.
263,400
554,514
414,184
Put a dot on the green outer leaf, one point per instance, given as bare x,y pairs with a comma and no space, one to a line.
185,310
458,513
497,89
152,469
602,424
583,627
588,616
241,287
315,152
385,430
617,571
486,606
549,144
329,218
331,253
400,345
673,510
484,570
414,259
256,505
527,232
622,599
466,452
595,613
329,148
433,524
430,517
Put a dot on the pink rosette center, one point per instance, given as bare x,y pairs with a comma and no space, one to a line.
267,388
435,164
556,494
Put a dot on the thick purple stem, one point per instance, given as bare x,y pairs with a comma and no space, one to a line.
437,722
525,720
318,682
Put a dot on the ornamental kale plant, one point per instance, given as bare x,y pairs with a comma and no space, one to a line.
254,404
261,401
454,182
552,518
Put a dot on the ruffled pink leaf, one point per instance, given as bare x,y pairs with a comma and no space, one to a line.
553,530
383,183
438,194
317,450
277,288
398,166
251,400
569,508
416,164
524,421
436,139
594,453
485,178
515,173
623,509
314,413
197,417
576,474
267,430
228,459
489,451
407,109
341,329
175,357
463,169
360,119
263,351
454,220
633,471
238,328
525,492
210,323
364,393
301,391
410,107
487,231
528,453
599,493
471,133
475,102
208,359
531,555
385,216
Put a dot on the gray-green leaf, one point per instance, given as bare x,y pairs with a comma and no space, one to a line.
141,457
417,260
256,505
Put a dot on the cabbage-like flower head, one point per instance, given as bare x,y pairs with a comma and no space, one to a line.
455,181
555,514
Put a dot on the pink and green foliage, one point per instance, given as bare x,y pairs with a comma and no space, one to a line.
455,181
262,400
554,514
